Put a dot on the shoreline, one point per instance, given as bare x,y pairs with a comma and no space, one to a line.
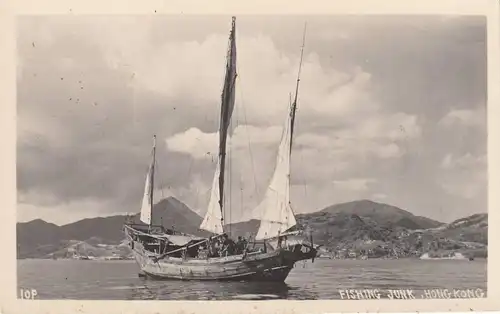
317,258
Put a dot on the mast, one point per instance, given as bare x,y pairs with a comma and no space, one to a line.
277,214
227,106
294,105
153,163
214,218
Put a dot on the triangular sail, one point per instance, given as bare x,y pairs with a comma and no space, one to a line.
277,215
275,209
214,218
147,200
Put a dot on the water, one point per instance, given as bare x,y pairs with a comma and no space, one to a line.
118,280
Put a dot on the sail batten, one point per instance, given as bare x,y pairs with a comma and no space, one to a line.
215,208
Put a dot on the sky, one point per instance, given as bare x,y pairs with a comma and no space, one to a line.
390,108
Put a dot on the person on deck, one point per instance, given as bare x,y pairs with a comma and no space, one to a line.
228,246
214,248
241,245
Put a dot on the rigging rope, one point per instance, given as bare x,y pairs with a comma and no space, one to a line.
252,163
229,174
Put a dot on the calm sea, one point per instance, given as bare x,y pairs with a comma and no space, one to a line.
323,279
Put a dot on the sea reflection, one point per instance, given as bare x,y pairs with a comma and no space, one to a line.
193,290
323,279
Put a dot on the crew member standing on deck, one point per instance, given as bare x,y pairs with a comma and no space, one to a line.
241,245
227,246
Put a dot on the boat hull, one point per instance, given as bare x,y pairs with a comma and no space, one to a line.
272,266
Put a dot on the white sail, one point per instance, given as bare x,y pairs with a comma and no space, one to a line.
275,212
147,199
213,218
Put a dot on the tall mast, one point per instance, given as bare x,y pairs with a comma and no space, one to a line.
152,179
276,212
214,217
294,105
227,106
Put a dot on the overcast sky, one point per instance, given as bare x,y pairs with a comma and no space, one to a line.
391,109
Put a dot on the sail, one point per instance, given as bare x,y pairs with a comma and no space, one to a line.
147,200
276,215
275,210
215,207
213,218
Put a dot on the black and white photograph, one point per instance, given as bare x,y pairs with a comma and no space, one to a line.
251,157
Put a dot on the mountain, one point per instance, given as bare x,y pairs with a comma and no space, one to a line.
369,228
106,228
38,237
37,232
345,233
359,226
337,217
74,248
383,214
245,228
172,213
34,234
473,228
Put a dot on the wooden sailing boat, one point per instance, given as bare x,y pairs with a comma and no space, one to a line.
166,254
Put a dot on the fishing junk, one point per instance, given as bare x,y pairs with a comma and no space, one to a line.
168,254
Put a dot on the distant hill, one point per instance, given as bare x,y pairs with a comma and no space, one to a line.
342,232
32,236
383,214
37,232
86,248
360,225
366,227
473,228
37,236
172,213
244,228
379,214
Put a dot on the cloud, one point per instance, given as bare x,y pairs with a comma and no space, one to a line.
28,208
195,195
465,176
379,196
394,127
357,184
372,139
467,189
317,158
174,68
201,145
465,117
467,161
91,92
251,160
194,142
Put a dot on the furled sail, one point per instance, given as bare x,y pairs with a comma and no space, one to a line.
147,200
214,218
275,210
